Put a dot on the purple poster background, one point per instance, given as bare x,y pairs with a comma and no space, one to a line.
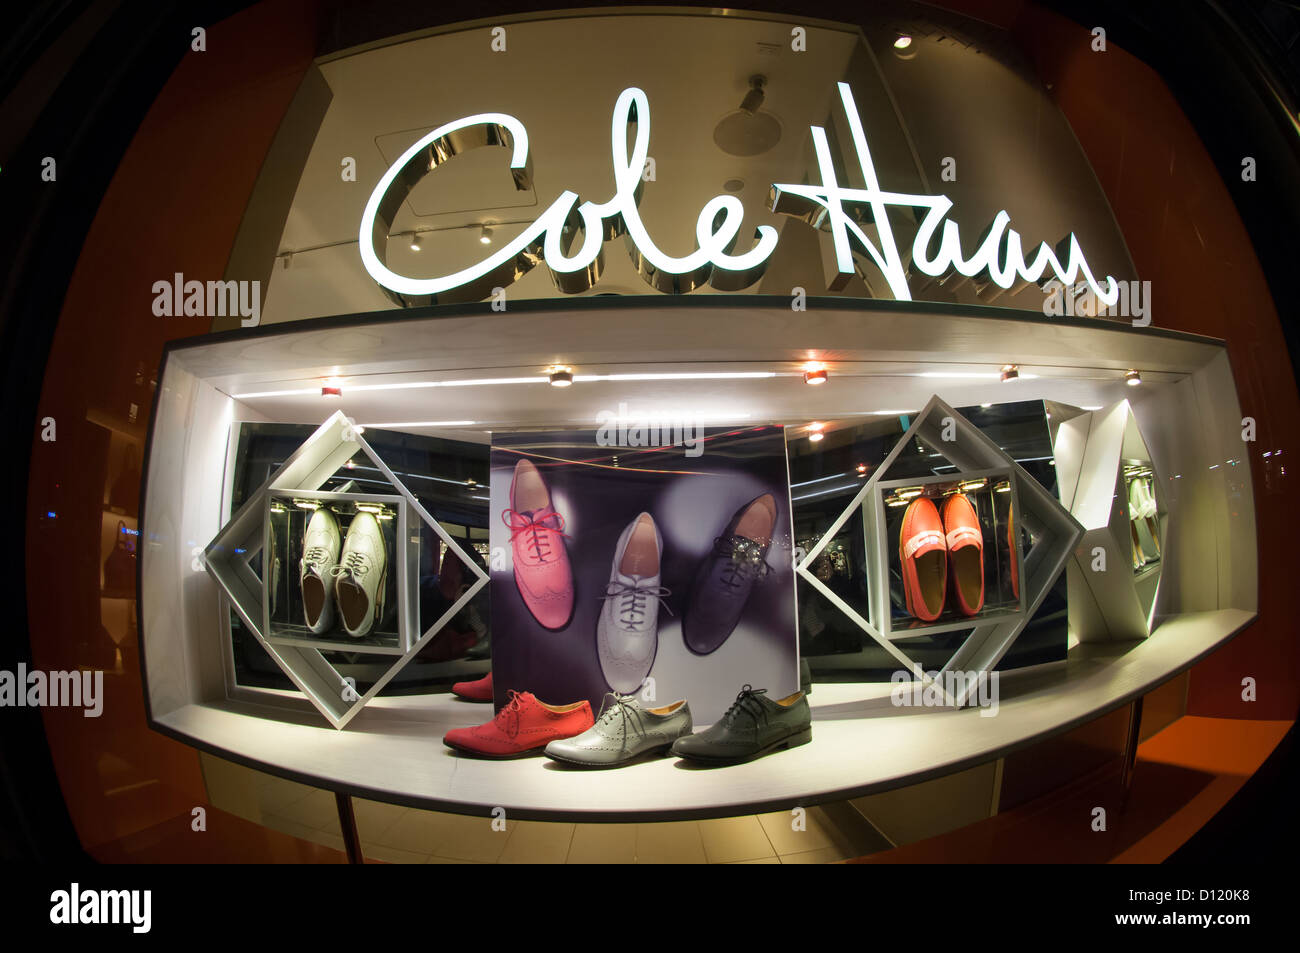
597,491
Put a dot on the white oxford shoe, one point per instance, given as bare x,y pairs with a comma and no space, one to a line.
320,554
360,576
627,634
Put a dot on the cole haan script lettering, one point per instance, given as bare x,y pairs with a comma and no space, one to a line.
569,237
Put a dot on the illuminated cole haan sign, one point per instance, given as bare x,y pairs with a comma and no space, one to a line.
569,238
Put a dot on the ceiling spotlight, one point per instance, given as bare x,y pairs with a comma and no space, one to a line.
814,372
815,432
754,98
561,376
986,406
485,236
750,130
862,469
1132,378
1010,372
903,42
415,241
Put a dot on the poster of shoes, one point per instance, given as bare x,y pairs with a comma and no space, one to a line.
613,565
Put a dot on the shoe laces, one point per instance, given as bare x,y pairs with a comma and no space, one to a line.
745,562
352,564
747,703
315,556
633,601
507,719
620,707
539,533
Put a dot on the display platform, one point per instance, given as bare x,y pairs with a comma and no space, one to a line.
862,743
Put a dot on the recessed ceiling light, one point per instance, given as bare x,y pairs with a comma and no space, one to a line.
733,185
561,376
815,432
814,372
1010,372
903,42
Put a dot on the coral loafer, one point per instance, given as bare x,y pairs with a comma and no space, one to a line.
965,539
523,726
924,556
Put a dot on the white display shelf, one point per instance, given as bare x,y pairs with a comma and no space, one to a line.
862,744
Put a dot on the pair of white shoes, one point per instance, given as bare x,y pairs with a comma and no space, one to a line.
350,575
1141,502
1142,506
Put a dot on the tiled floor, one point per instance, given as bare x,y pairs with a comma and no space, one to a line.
404,835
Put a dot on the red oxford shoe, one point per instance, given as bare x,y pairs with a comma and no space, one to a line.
925,559
523,726
476,691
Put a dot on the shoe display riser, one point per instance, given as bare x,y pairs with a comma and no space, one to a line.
938,429
1116,569
323,456
286,517
993,494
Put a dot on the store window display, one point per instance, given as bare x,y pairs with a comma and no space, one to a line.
655,599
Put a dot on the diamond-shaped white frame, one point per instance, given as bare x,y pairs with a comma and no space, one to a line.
1054,532
1108,600
228,556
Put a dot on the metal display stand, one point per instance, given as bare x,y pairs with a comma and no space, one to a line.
1109,600
1052,532
227,558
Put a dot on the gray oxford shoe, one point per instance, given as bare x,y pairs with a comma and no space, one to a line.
623,732
753,726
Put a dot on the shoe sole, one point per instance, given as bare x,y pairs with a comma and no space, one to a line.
661,751
793,741
527,752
